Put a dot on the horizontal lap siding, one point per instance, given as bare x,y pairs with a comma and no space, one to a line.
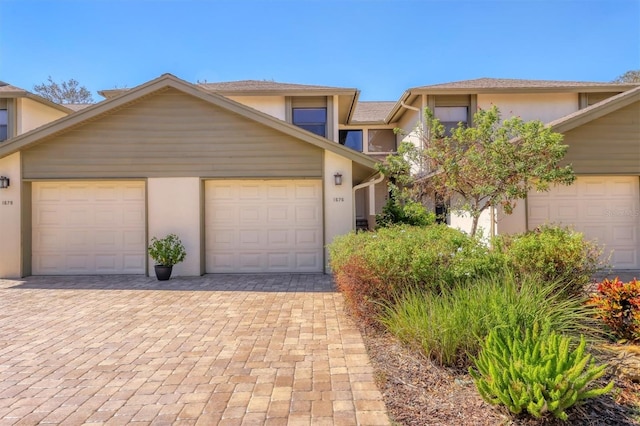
174,135
607,145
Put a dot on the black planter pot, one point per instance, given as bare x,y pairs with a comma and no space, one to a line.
163,273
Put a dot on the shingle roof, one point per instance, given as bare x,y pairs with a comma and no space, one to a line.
512,83
77,107
372,111
264,86
9,91
7,88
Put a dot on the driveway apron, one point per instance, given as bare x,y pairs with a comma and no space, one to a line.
217,349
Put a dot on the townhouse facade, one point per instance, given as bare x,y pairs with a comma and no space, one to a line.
259,176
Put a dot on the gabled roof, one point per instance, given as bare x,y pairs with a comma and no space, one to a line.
163,82
504,85
595,111
9,91
372,112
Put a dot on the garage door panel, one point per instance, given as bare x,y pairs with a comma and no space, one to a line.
278,214
307,261
105,233
567,212
278,237
605,209
249,192
263,226
250,215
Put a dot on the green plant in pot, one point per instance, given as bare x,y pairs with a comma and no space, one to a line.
166,252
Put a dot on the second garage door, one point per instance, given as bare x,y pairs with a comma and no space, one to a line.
603,208
263,226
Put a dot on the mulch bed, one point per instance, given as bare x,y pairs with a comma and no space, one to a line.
418,392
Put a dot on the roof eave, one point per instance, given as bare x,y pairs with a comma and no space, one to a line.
37,98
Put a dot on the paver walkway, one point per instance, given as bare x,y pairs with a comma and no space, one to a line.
218,349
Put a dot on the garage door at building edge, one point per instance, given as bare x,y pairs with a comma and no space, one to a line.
263,226
606,209
92,227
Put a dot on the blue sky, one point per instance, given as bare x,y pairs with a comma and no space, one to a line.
379,47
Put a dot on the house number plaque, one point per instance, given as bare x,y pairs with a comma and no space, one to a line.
338,199
7,202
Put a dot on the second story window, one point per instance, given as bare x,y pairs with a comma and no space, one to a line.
451,116
4,124
311,119
351,139
382,140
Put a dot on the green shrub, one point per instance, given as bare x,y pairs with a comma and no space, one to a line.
618,306
557,254
535,371
374,268
409,213
451,325
167,251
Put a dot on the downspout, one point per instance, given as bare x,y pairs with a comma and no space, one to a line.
360,186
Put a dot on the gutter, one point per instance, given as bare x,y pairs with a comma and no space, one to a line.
360,186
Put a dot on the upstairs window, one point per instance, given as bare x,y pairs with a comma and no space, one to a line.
382,140
351,139
451,116
312,119
4,124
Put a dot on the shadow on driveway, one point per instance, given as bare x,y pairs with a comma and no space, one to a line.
211,282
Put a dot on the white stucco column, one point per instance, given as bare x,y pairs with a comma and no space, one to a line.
11,219
338,199
174,208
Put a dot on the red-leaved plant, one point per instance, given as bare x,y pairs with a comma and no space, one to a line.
618,305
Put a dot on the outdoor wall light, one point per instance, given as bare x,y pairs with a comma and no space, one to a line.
4,182
338,178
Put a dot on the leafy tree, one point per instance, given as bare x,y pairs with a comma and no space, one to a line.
67,92
632,76
491,164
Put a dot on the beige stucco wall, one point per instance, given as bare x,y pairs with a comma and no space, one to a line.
410,124
462,220
272,105
32,114
513,223
173,206
545,107
338,200
10,218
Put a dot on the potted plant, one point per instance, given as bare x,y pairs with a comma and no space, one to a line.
166,252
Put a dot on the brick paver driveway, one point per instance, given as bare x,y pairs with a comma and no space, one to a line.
228,349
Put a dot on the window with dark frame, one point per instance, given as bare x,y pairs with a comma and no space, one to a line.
351,139
313,120
4,124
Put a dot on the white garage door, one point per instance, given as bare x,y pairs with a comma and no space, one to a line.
606,209
88,228
263,226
